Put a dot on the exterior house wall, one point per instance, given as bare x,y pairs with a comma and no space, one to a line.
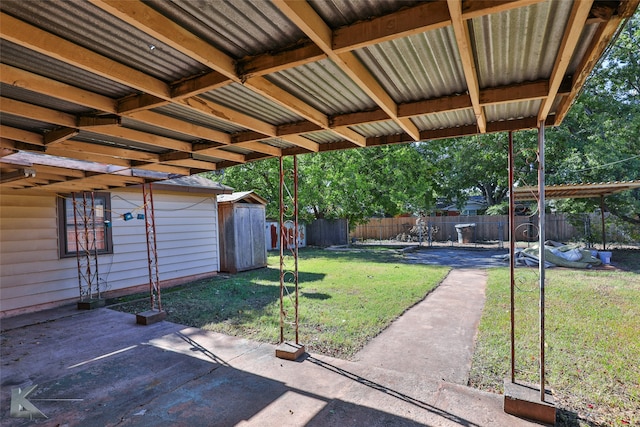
33,276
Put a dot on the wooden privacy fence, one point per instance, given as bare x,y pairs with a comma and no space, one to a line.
487,228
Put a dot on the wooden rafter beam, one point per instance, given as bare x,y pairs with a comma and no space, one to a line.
268,63
406,22
199,84
19,174
59,135
15,134
155,141
35,83
139,102
181,126
157,25
574,28
108,151
227,114
34,38
305,18
171,33
599,43
186,160
58,151
160,167
463,40
34,112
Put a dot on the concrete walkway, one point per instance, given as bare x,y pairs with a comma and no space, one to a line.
117,373
435,338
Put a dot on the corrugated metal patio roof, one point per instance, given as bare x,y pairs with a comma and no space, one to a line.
576,191
187,86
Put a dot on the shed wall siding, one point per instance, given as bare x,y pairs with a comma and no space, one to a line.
31,272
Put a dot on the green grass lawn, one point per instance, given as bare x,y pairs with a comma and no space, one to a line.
592,341
346,298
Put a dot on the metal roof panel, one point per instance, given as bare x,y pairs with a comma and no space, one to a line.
519,44
418,67
184,113
324,86
88,26
239,98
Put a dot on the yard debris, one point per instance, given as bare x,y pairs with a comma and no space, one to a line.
557,254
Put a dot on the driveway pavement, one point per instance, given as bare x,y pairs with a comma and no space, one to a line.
459,257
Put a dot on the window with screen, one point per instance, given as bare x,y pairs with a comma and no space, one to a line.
86,228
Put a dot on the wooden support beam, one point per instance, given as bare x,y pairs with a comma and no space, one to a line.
48,44
302,142
599,43
463,40
303,15
139,102
260,148
228,115
575,25
108,151
291,57
35,83
35,112
56,150
424,17
143,137
159,167
152,22
19,174
177,125
21,135
187,160
94,121
59,135
199,84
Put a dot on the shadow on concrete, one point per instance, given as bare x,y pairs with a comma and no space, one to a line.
390,392
165,374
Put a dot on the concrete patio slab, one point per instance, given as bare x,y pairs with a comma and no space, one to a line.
118,373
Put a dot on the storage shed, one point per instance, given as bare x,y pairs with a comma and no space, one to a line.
241,217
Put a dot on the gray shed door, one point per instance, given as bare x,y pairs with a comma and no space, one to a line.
250,241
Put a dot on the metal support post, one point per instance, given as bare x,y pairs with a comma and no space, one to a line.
512,258
155,313
604,232
85,233
289,261
152,247
541,253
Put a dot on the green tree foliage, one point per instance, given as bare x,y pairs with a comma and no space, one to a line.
599,140
352,184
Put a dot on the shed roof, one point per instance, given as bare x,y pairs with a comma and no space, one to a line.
575,191
242,196
96,92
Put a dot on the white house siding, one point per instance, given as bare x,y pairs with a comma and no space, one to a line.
32,274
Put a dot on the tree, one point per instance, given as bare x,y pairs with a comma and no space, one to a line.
352,184
599,140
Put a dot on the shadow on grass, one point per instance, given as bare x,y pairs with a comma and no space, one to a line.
627,259
315,295
236,298
566,418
